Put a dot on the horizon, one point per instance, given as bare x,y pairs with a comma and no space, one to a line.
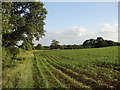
74,22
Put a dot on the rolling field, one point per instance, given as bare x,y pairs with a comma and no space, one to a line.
91,69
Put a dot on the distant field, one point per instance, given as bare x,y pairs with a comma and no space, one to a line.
96,69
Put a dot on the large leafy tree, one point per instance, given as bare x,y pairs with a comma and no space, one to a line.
24,21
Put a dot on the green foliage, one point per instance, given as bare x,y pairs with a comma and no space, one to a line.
46,47
39,47
55,44
99,42
21,21
9,57
6,25
27,45
6,58
90,43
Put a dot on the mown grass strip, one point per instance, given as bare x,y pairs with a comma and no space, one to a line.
17,77
26,79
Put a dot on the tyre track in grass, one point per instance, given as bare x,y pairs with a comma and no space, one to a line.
79,77
72,83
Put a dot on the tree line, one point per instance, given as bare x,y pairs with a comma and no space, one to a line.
90,43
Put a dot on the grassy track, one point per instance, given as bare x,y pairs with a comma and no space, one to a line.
20,76
84,69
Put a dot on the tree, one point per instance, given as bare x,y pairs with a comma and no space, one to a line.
117,43
55,44
27,45
89,43
39,47
100,42
110,43
6,25
74,46
46,47
62,46
24,21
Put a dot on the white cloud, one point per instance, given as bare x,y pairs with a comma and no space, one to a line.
109,31
78,34
72,35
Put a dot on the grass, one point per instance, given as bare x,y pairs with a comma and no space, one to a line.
20,76
96,68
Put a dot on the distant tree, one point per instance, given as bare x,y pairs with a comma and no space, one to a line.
117,43
74,46
46,47
55,44
110,43
80,46
100,42
39,47
69,47
89,43
62,46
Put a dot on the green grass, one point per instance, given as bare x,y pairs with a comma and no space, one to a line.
96,68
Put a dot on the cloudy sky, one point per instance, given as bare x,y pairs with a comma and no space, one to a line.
73,23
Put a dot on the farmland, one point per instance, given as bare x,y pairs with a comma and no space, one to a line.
92,69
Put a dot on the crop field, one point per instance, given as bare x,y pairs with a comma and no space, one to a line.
91,69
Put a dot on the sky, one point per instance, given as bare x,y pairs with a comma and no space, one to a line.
74,22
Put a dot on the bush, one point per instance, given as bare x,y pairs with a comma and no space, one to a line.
9,56
6,58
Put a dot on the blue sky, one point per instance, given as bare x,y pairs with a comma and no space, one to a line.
74,22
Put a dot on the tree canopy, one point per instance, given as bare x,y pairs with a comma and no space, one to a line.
22,21
99,42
